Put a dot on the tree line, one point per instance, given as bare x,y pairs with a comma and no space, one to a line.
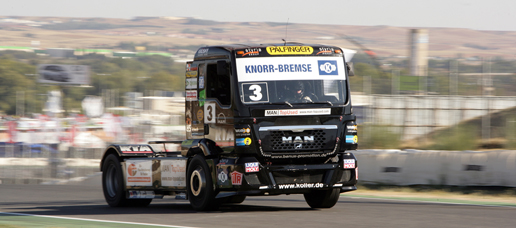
146,73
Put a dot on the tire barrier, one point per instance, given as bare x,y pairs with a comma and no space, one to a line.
422,167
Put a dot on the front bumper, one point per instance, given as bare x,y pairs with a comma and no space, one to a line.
246,176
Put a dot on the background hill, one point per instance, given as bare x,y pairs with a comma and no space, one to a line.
171,34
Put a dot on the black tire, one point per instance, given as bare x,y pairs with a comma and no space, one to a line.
235,199
113,185
200,185
322,198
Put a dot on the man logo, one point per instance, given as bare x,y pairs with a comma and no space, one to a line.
298,139
298,146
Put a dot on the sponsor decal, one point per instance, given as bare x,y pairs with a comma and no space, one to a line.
280,68
251,52
224,161
141,194
325,51
239,132
353,139
139,173
191,74
189,67
173,173
286,156
222,176
298,112
191,83
223,134
201,82
136,149
200,115
290,68
188,124
328,67
290,50
236,178
203,51
252,167
349,163
202,97
302,185
225,144
191,95
221,118
352,128
132,170
243,141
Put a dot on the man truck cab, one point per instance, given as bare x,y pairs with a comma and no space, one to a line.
260,120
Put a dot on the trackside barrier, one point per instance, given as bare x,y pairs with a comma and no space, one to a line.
28,164
455,168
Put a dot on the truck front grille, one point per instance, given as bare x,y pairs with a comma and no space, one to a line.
278,143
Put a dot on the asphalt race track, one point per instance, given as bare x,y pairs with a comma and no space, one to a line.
85,200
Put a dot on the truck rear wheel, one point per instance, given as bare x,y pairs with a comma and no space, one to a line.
113,185
200,185
322,198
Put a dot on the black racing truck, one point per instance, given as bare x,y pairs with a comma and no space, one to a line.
264,119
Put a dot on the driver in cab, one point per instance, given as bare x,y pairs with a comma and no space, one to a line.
297,94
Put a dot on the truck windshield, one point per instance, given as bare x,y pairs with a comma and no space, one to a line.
292,80
293,91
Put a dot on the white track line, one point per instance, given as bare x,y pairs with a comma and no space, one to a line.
93,220
434,202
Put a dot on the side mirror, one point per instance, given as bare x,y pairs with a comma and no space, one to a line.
351,71
222,68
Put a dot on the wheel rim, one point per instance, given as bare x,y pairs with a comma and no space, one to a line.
111,181
197,181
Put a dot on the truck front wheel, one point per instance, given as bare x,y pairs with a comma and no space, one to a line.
322,198
113,185
200,185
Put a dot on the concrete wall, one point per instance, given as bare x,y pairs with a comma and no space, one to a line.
456,168
419,115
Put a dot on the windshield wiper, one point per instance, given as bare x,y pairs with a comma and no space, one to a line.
283,102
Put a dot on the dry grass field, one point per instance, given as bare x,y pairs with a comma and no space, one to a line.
179,32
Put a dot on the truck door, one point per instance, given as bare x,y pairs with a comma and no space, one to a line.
215,95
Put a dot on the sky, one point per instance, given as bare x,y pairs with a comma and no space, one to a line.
493,15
